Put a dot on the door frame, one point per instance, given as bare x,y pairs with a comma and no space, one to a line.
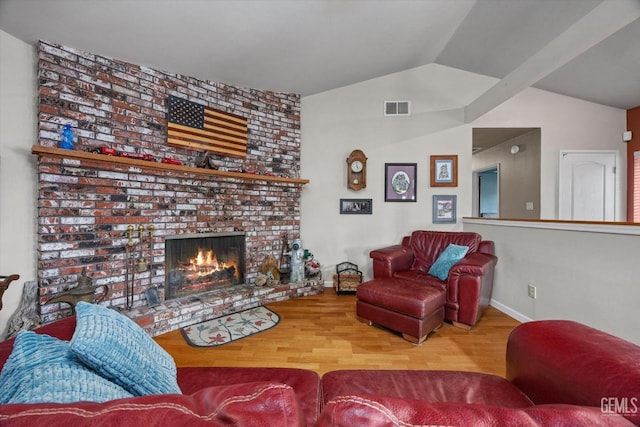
475,198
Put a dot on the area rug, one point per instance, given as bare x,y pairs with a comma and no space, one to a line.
226,329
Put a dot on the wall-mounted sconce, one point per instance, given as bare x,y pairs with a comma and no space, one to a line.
515,149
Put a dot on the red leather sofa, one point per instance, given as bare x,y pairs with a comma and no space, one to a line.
559,373
405,297
211,396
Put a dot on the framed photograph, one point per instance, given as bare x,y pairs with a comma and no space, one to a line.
444,209
356,206
400,182
444,171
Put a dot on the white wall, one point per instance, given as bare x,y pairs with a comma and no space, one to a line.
18,105
338,121
566,124
586,276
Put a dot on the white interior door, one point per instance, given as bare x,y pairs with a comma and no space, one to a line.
587,184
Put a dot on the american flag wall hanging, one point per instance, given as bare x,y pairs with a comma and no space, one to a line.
196,126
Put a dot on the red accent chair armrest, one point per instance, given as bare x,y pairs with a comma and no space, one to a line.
469,288
387,261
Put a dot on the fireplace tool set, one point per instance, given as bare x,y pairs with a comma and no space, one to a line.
140,266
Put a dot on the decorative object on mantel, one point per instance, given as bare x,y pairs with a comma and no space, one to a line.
135,156
347,277
205,161
26,317
5,281
192,125
84,291
229,328
66,142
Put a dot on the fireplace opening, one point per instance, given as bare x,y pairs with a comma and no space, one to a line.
198,263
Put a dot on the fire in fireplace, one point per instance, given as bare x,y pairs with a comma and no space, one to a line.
198,263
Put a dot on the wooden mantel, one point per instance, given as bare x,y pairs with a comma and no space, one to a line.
41,150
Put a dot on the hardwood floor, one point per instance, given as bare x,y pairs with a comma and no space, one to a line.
321,333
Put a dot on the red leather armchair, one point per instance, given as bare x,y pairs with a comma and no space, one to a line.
470,281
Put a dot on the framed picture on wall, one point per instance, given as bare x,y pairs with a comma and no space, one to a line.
444,171
356,206
400,182
444,209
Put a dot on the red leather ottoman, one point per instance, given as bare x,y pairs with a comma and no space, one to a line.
411,308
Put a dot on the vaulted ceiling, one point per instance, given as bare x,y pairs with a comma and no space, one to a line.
586,49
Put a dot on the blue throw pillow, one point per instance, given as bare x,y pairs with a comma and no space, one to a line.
118,349
448,257
42,369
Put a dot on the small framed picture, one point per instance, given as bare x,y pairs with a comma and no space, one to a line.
444,171
356,206
444,209
400,182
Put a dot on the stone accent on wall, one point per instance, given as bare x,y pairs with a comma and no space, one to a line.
85,207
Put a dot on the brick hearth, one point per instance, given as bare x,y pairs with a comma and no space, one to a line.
182,312
86,203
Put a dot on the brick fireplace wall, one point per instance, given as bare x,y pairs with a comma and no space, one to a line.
85,207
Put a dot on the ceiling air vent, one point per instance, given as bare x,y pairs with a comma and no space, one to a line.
397,108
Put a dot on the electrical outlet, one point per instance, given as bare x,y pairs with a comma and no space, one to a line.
531,291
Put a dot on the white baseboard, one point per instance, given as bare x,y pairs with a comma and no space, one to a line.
509,311
328,283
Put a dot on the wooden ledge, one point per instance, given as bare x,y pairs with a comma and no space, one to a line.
41,150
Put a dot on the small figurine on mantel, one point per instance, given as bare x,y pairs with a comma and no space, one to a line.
205,160
66,140
297,261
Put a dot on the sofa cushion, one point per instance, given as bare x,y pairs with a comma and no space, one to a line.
43,369
119,350
257,404
425,385
378,411
451,255
420,277
305,383
428,245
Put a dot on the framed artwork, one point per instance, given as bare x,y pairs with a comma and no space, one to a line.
400,182
444,209
356,206
444,171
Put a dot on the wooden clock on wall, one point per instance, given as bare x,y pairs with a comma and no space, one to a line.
357,170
